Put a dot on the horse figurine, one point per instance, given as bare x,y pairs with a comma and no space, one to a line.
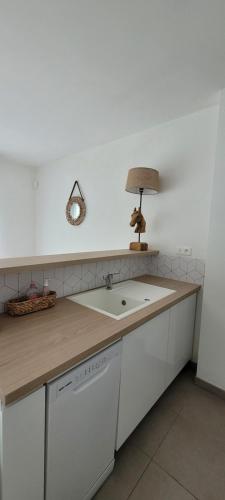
138,218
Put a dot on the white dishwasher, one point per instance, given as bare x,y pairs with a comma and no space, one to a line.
81,425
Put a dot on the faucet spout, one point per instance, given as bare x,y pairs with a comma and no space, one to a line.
109,280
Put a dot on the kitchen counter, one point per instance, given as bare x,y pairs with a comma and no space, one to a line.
38,347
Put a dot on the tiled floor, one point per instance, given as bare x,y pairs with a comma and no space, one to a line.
177,452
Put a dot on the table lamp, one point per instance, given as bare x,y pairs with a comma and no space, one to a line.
141,180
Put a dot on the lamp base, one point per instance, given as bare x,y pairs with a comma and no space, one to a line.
138,246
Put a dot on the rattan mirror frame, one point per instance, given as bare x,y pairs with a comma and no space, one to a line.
81,203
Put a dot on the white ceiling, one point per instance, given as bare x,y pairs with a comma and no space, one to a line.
79,73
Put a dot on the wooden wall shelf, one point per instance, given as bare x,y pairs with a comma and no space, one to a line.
45,261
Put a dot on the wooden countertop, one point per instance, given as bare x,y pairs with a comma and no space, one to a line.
45,261
38,347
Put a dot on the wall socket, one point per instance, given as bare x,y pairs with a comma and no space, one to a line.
184,251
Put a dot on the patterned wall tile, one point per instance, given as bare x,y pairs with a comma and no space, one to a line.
12,281
24,282
115,268
72,279
178,268
88,278
7,293
152,265
9,288
134,270
124,270
102,268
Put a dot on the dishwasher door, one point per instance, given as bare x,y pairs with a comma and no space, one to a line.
81,423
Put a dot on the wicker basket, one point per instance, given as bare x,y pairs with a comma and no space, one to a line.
22,305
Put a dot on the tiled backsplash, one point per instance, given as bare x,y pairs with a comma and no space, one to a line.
77,278
178,268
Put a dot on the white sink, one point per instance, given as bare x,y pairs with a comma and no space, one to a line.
125,298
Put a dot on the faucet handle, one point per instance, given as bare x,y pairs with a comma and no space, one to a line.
110,275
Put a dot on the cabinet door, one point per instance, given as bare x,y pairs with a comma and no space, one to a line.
22,448
181,333
143,373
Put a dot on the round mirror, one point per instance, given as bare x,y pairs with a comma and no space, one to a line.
75,210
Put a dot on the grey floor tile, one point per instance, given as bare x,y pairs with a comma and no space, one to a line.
195,458
155,484
130,465
149,434
185,435
181,392
208,412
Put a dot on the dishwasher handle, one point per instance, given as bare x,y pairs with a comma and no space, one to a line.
90,381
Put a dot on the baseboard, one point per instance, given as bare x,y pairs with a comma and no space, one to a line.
210,387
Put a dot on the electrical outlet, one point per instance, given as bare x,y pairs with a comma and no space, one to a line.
184,251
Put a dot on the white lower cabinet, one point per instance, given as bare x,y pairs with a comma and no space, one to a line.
22,445
152,356
143,372
181,329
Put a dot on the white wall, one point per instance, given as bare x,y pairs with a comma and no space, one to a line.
17,217
211,367
183,151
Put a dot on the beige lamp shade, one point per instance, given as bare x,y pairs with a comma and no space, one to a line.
142,178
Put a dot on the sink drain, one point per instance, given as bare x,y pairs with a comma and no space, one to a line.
123,302
147,300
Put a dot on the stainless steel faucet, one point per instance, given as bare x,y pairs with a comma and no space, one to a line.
109,280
